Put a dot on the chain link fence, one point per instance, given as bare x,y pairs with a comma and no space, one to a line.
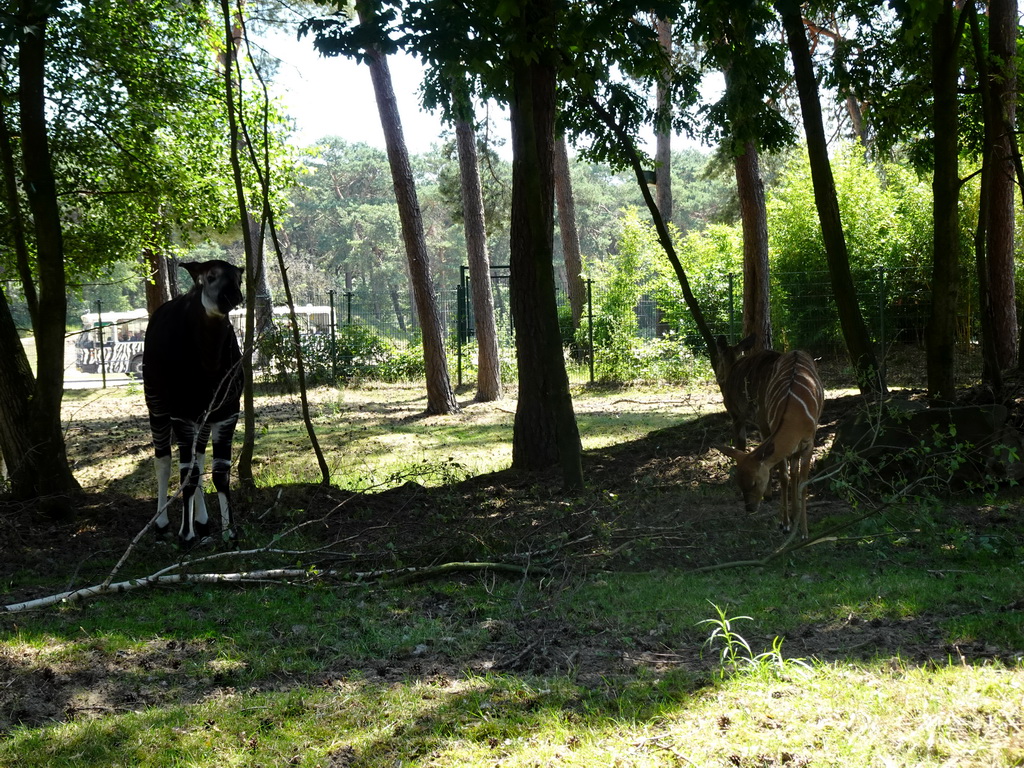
373,331
658,342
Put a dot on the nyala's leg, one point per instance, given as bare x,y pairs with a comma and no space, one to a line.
785,494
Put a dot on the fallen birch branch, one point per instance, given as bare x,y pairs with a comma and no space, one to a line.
393,577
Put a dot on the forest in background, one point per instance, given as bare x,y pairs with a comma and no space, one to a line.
172,141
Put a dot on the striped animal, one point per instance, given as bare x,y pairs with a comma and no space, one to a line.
192,379
793,401
742,377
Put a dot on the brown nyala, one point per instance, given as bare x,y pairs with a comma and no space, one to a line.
792,404
743,376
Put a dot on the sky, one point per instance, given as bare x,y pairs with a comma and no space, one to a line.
334,97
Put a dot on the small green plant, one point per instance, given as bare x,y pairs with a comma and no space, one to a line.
735,653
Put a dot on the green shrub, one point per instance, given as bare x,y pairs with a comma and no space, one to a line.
355,351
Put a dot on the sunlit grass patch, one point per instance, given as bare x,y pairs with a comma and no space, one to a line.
886,713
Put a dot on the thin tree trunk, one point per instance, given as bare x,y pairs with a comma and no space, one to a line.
991,373
986,242
663,137
232,38
16,385
488,380
15,216
263,306
1000,245
628,146
440,396
941,334
570,234
870,377
234,34
396,307
545,431
754,216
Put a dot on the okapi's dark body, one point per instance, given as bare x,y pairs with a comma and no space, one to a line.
192,378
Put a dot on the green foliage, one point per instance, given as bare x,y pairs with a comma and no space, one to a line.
355,352
641,331
616,327
735,39
137,145
886,214
403,364
713,260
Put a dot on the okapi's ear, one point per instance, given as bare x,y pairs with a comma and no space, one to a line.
195,269
748,343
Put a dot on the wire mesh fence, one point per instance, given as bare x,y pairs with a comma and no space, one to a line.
373,330
893,304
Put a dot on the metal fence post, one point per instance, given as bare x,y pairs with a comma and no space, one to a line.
732,307
590,325
334,340
881,310
460,324
99,326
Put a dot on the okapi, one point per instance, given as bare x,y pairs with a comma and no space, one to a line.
191,374
743,376
793,401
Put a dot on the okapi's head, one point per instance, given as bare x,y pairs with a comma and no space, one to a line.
218,283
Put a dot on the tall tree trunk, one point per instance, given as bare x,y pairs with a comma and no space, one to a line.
545,431
158,287
263,305
1000,251
986,236
754,216
570,234
16,385
488,378
941,333
663,135
870,377
440,397
991,372
15,216
47,455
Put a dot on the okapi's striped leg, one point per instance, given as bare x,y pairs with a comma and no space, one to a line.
223,431
163,481
192,457
160,425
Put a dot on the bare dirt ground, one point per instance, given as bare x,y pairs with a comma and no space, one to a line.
662,502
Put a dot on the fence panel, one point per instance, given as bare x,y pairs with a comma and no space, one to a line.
894,306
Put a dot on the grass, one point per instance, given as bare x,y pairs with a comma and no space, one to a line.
370,439
879,650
